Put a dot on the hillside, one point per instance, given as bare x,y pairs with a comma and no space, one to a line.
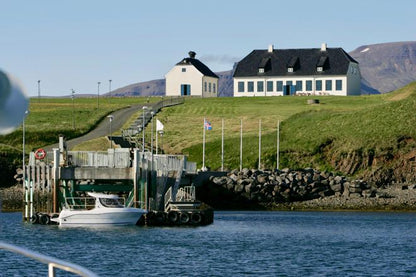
387,66
368,136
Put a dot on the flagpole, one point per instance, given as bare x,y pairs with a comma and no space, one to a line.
278,144
259,144
241,145
203,148
222,145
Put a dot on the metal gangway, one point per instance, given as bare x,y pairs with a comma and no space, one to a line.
52,263
132,133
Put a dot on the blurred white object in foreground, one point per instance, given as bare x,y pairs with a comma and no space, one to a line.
13,103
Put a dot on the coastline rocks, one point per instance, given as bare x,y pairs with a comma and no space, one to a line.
283,186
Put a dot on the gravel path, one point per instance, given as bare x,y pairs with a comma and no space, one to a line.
103,128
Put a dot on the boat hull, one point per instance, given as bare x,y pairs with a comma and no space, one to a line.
94,217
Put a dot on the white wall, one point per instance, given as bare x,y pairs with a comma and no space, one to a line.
175,77
314,91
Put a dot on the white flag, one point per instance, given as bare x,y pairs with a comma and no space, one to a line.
159,125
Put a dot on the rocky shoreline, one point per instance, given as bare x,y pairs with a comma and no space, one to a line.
285,189
306,189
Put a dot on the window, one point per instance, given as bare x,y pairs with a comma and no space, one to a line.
205,86
309,85
250,86
269,85
260,86
328,85
298,85
319,69
338,84
183,69
240,86
290,69
213,88
261,70
279,86
209,87
318,85
289,83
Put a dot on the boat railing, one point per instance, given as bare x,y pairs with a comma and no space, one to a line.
52,262
80,203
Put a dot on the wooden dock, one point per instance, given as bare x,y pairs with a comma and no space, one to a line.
160,184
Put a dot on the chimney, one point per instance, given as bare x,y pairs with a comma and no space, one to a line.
270,49
192,54
323,47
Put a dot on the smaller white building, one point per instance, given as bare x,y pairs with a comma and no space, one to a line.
190,77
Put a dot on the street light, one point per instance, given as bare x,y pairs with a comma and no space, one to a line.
144,111
109,89
151,134
39,90
111,117
23,158
73,108
98,95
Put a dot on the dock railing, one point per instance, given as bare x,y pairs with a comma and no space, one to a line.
52,263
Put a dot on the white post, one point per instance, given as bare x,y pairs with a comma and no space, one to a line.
259,143
222,145
278,144
203,148
241,145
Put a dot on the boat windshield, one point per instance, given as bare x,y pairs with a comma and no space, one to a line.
110,203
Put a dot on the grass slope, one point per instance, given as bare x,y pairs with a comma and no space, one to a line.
365,123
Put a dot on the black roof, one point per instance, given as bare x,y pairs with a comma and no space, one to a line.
335,61
199,65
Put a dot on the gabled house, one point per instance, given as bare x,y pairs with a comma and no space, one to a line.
316,71
190,77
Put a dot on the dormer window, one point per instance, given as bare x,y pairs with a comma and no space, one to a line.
183,69
265,65
293,64
322,64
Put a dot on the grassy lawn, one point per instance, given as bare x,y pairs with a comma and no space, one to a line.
50,117
363,122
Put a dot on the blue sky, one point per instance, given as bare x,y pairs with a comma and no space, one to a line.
74,44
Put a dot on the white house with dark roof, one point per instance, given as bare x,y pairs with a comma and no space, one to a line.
190,77
316,71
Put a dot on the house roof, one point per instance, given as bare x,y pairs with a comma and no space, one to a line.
198,65
335,61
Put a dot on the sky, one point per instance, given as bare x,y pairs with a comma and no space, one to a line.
76,44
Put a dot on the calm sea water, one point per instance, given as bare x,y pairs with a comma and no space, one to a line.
237,244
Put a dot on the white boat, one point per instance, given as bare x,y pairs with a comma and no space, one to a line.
96,210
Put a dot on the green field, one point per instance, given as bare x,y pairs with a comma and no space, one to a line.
50,117
349,123
319,135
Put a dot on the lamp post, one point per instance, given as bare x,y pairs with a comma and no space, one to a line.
151,134
73,108
111,117
98,95
23,162
109,88
144,111
39,90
